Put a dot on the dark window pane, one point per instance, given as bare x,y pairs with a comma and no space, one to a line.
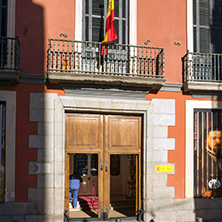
194,12
124,8
204,12
3,19
116,26
195,39
86,28
204,40
96,29
115,165
81,164
116,8
96,6
4,24
217,13
94,164
4,2
123,32
87,6
216,40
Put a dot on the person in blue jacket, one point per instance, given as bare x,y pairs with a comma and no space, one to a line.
74,184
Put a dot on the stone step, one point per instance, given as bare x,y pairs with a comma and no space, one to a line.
71,208
88,202
123,204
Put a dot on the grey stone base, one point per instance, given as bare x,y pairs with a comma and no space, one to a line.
25,212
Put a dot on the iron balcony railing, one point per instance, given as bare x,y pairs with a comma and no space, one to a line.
204,67
9,53
85,57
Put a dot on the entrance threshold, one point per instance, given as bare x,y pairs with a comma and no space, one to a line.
117,219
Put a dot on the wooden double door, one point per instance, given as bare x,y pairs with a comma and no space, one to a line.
104,138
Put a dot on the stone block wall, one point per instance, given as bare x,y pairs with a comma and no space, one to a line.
46,201
159,203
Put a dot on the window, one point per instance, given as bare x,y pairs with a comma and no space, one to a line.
3,16
2,150
207,26
94,12
207,153
3,32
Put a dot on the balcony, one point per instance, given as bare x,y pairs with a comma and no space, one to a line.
81,62
9,60
202,72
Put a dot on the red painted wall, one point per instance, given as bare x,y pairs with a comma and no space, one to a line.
24,128
164,22
36,22
176,156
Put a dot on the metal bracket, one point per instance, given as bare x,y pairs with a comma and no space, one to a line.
147,41
178,43
63,34
101,165
139,215
106,169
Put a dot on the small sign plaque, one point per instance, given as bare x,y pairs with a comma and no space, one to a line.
164,169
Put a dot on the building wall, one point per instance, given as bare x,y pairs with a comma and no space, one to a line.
38,166
36,22
164,23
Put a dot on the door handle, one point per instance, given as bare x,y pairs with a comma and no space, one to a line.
106,166
101,165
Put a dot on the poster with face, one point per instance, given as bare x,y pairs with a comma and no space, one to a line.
207,153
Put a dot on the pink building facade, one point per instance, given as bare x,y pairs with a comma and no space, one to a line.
139,125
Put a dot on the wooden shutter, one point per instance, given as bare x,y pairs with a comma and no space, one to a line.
204,26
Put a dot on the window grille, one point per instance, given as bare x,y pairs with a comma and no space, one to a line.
207,153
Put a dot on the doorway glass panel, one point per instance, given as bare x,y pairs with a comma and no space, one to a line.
85,165
81,164
94,164
123,176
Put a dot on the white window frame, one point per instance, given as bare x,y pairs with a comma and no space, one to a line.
132,21
190,25
11,19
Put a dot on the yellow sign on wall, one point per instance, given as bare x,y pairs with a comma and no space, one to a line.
164,169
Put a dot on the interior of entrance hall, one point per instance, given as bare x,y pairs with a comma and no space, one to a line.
123,176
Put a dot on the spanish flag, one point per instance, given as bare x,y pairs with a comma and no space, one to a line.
110,31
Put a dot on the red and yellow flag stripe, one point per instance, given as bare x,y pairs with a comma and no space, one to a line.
110,30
